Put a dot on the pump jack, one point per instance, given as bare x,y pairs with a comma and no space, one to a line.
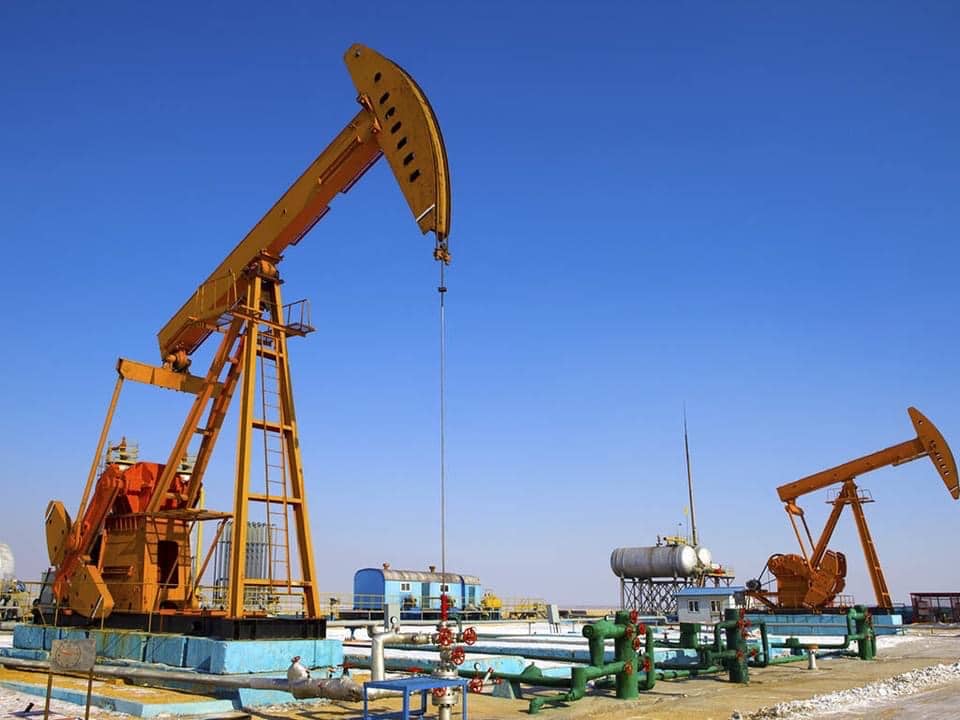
812,580
129,550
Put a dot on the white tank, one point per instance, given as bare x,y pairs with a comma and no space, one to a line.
8,569
704,556
656,561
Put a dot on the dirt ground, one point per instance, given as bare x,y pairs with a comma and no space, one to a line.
717,699
698,699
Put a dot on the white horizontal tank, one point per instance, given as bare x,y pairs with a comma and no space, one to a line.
654,561
704,556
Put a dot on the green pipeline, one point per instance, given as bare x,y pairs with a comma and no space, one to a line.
859,630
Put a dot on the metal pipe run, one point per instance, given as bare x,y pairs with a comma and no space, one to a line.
381,636
859,630
298,682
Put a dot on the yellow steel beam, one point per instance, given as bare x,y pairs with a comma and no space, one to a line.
161,377
929,442
396,120
241,486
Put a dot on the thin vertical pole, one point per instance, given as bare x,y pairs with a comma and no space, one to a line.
442,290
86,715
693,512
46,705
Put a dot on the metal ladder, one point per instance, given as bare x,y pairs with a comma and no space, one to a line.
274,426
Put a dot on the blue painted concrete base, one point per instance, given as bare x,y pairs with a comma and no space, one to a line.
32,642
812,624
185,651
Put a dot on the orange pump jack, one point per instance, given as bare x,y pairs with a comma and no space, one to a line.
128,554
813,579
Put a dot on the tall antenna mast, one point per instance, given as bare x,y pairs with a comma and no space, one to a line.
686,450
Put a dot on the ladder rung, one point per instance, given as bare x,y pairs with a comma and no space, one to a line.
262,497
269,425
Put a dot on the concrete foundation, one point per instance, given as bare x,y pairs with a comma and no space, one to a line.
813,624
220,657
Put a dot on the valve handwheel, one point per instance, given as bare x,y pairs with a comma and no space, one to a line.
470,635
636,643
445,637
458,655
628,632
439,692
646,664
634,616
476,685
628,668
642,629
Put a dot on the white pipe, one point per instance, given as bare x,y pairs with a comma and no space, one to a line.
379,637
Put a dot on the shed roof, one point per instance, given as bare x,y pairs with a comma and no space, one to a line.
425,576
702,591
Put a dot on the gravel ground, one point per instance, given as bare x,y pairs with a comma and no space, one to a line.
869,696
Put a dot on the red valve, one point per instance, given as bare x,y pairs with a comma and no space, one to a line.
458,655
628,632
744,634
739,655
439,692
634,616
636,643
445,637
470,635
476,685
642,629
628,668
754,652
646,664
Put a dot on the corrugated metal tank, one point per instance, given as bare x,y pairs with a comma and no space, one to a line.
656,561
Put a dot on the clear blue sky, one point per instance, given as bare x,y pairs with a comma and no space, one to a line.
750,208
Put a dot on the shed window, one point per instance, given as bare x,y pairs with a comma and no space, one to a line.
693,605
444,588
714,606
404,586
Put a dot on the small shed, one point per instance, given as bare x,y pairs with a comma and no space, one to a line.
705,605
936,607
413,590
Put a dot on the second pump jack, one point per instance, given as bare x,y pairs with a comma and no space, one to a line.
814,578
